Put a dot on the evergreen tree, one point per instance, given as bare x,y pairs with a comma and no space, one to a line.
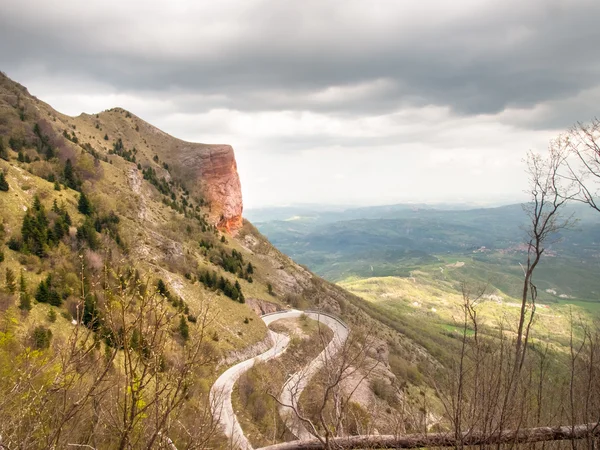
35,229
162,289
25,302
69,178
91,315
1,256
42,337
42,294
84,205
250,268
25,298
184,329
21,157
87,233
3,182
3,150
11,281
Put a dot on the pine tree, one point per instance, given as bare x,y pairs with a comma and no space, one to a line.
69,178
3,150
3,182
162,289
184,329
84,205
25,302
25,297
11,281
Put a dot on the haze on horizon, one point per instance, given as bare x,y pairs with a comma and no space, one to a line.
329,102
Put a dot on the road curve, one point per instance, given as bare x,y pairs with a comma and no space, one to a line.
220,393
293,387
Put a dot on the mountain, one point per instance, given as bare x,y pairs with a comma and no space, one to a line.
130,281
108,221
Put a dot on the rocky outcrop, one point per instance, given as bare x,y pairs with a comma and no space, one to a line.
261,307
214,169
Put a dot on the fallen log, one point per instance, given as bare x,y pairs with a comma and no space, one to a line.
526,435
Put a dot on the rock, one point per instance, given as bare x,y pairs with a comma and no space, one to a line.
261,307
214,169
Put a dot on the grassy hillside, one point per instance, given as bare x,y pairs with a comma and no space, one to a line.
109,250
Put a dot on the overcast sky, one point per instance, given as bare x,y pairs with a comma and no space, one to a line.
347,102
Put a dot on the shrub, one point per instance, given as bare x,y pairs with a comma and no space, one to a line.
3,183
84,206
41,337
11,281
184,329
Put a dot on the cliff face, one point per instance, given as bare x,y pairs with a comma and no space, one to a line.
214,169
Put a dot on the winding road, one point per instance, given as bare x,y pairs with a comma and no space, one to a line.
220,393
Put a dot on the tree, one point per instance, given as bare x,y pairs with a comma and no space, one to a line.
3,183
69,178
42,337
3,150
581,147
184,329
11,282
84,206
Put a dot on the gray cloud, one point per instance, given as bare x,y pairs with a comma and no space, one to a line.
484,58
431,89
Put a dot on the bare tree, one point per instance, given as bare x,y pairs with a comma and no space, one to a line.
327,413
582,145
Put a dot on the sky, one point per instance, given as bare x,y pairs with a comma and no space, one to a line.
325,101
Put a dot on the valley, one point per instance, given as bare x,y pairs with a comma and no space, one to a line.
140,308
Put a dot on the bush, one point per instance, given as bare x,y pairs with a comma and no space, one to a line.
3,182
383,390
184,329
52,315
84,206
41,337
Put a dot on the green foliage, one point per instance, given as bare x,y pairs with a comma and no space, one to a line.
212,281
16,143
91,317
52,315
38,233
43,144
161,184
42,337
46,293
106,137
69,178
1,256
119,149
23,157
162,289
270,289
184,329
11,281
3,183
86,233
3,150
25,301
84,206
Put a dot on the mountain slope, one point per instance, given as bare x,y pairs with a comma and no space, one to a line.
115,227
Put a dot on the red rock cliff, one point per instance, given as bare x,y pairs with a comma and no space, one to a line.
215,171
